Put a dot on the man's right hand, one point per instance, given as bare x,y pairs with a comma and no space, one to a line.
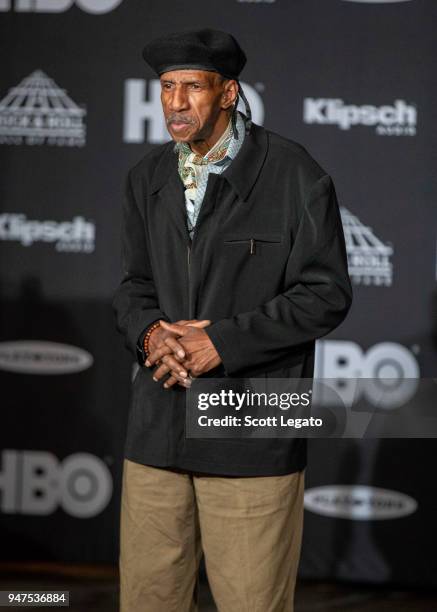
165,350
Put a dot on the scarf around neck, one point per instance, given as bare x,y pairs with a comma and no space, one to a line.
194,168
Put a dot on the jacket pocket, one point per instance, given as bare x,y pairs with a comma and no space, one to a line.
246,238
252,241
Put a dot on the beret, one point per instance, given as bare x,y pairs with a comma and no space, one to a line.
197,50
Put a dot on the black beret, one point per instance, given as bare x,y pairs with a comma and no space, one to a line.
197,50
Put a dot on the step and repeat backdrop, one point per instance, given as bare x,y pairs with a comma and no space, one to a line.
351,80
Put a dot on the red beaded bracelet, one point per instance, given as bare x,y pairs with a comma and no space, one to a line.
147,337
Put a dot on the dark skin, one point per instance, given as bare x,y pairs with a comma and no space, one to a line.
170,353
197,106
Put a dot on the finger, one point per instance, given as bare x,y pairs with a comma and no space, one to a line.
186,383
194,322
172,380
175,346
157,354
180,330
200,324
161,371
175,366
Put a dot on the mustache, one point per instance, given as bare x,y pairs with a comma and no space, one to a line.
176,118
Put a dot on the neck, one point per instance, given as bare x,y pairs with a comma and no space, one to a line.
203,145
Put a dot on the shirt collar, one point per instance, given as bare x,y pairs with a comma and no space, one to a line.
242,174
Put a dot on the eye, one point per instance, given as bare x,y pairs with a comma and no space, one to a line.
167,86
195,86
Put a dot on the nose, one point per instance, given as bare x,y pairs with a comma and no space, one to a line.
178,99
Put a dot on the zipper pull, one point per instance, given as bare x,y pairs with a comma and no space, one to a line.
252,246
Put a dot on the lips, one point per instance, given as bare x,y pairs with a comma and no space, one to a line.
178,126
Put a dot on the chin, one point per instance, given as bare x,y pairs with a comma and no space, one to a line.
183,137
178,138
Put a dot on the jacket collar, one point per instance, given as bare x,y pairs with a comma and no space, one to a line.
241,174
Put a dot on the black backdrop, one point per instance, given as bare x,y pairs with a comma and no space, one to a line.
354,82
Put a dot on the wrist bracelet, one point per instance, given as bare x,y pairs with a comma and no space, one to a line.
147,337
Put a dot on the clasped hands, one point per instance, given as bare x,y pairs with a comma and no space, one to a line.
183,350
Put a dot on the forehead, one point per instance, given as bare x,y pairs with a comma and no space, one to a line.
186,76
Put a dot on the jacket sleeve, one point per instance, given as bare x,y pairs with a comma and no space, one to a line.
316,299
135,301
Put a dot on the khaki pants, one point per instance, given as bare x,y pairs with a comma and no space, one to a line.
250,530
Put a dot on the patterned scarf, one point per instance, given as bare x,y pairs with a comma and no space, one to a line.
194,168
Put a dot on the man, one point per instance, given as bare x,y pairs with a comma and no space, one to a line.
234,264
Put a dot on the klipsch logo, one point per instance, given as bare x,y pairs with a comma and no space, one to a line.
43,357
369,260
37,483
77,236
142,107
398,119
37,112
59,6
358,502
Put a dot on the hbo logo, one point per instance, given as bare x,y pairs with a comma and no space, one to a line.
142,105
35,482
386,374
59,6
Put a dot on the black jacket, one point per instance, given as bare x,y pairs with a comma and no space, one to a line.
267,265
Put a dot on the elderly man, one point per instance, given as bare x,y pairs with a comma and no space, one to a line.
234,264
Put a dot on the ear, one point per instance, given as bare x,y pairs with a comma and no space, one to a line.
230,93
